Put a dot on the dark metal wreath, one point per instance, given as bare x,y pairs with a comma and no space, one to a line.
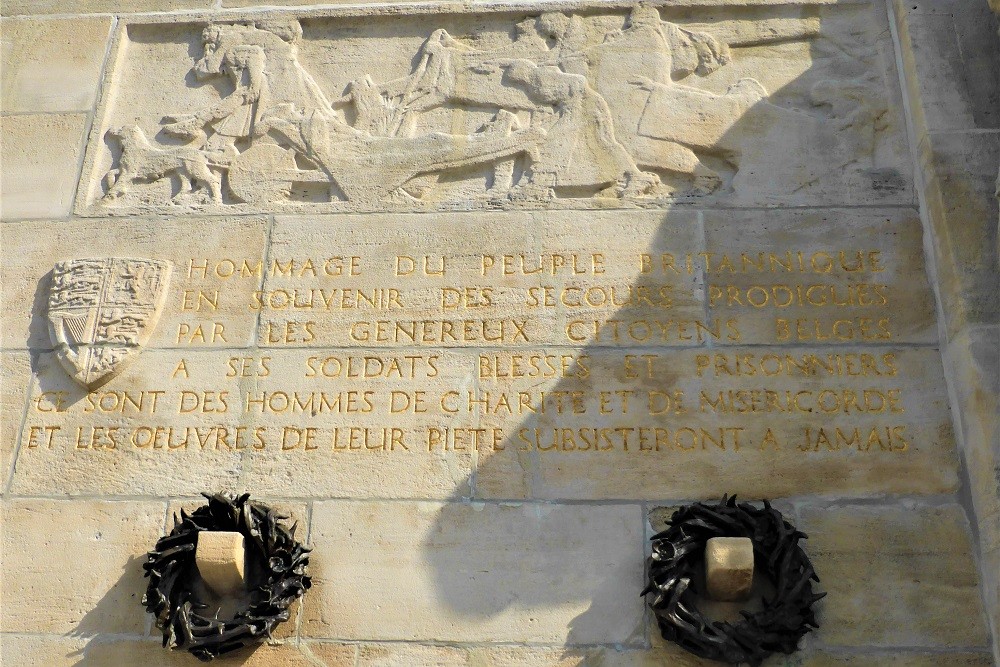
275,577
677,554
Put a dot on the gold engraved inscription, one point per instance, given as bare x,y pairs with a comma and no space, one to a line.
558,353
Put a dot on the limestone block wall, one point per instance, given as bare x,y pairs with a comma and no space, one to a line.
367,346
948,50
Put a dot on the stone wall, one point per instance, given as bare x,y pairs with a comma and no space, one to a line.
479,322
949,51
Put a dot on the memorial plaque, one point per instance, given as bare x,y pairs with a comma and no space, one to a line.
466,284
574,355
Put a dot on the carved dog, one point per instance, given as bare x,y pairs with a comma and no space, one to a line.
142,161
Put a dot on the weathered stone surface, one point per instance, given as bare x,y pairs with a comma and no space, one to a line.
198,432
819,4
959,153
52,65
77,566
948,48
292,655
961,172
41,7
40,170
403,655
210,291
41,650
331,654
15,379
58,651
286,3
919,571
975,357
901,659
681,439
938,97
991,586
660,653
112,653
100,651
528,279
724,111
476,572
667,654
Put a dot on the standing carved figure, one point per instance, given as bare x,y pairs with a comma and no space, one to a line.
580,149
562,106
261,62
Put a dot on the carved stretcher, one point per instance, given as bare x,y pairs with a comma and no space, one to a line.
362,165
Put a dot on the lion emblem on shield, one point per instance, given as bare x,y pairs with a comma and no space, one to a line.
102,311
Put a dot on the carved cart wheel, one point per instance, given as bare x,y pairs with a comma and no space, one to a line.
262,174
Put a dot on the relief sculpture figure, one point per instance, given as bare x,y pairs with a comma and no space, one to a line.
262,65
273,93
565,106
675,119
580,147
681,127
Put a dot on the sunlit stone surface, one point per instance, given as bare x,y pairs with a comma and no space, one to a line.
477,292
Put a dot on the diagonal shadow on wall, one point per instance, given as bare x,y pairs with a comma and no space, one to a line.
830,135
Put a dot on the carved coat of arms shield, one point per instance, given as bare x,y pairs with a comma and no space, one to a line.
102,311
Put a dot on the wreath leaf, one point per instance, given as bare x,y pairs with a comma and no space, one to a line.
279,577
676,555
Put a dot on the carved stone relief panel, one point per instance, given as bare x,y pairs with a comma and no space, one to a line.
626,106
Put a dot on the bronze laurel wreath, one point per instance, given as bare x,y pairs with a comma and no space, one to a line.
275,577
677,553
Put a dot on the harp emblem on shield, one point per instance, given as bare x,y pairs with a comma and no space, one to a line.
102,311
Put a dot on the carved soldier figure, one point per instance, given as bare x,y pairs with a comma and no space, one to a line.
580,149
548,86
670,53
261,62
